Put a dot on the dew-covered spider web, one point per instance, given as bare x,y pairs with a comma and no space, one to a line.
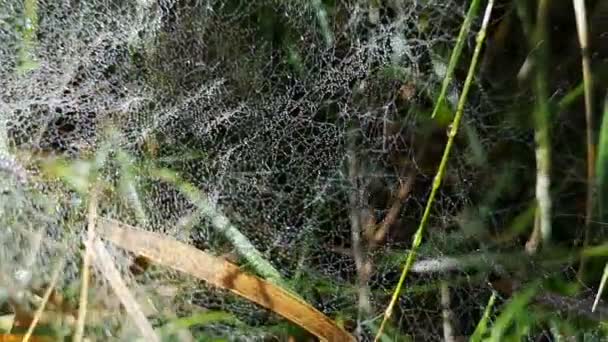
299,120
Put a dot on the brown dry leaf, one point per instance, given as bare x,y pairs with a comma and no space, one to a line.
221,273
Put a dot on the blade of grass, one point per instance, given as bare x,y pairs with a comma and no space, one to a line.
581,26
441,170
602,181
570,97
516,305
86,263
129,186
602,164
462,37
199,319
223,225
601,288
482,325
321,14
223,274
103,261
45,299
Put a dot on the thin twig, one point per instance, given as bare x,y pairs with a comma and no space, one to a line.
417,240
86,263
45,299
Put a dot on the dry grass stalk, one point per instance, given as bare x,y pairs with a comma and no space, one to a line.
86,262
103,260
223,274
45,299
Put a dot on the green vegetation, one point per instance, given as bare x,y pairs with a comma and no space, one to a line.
237,170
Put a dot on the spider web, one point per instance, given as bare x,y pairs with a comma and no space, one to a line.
254,103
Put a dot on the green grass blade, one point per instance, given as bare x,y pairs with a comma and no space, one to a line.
601,165
482,325
516,306
462,36
601,172
222,224
199,319
417,240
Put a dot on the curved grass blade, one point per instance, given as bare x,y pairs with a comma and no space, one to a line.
222,224
464,30
482,325
223,274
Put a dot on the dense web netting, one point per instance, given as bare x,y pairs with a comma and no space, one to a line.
264,106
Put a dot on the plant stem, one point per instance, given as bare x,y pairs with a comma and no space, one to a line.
441,170
462,36
581,27
541,135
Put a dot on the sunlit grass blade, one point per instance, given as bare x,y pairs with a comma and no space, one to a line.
417,240
601,288
482,325
222,224
462,37
601,165
45,299
516,306
105,264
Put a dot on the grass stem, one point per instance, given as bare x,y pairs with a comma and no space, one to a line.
441,170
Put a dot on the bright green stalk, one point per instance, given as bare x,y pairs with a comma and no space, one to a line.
442,167
462,36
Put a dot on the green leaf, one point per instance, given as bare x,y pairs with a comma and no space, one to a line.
482,325
517,306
